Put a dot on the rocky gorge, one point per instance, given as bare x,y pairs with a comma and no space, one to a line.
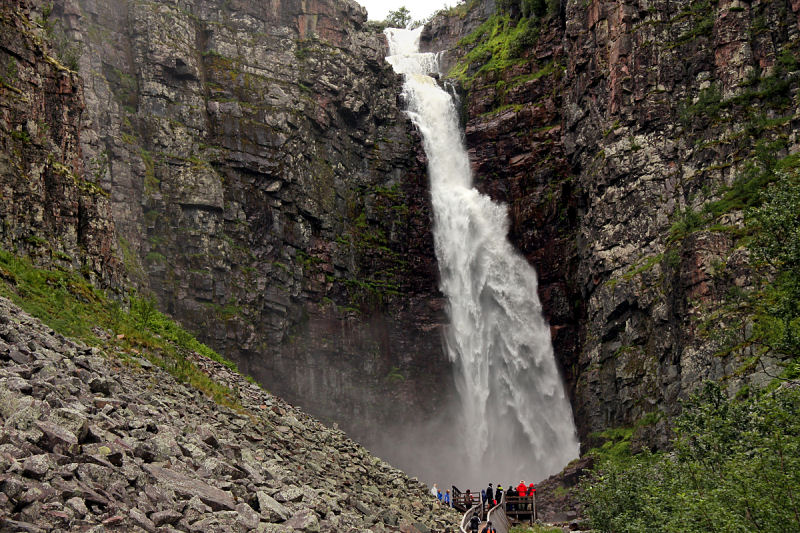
605,126
212,138
249,165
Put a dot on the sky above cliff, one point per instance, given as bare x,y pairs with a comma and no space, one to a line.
420,9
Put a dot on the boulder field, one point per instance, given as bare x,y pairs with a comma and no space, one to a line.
93,441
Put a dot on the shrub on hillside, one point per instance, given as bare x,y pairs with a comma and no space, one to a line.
735,467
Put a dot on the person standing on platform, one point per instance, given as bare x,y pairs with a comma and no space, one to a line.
511,494
522,492
474,523
490,496
498,495
531,496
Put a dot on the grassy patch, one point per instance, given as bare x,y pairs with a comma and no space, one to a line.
72,307
536,528
497,44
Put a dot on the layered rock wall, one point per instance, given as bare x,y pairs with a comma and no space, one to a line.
50,209
620,125
263,183
268,190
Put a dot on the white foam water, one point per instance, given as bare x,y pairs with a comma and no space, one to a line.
515,417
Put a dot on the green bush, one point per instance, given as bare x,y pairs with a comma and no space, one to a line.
735,467
399,18
776,242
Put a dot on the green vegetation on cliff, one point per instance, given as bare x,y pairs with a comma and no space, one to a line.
496,45
66,302
735,467
776,244
735,464
502,40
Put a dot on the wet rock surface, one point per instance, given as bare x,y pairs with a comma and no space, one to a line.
50,209
251,166
600,139
156,455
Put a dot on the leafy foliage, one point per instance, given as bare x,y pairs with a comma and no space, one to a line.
735,467
399,18
776,241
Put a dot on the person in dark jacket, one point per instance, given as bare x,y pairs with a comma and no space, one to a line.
488,528
474,523
490,496
511,494
498,495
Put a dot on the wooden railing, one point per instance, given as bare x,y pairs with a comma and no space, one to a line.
497,516
464,526
463,501
521,508
510,509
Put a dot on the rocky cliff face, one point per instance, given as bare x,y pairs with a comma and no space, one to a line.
264,185
268,190
50,209
623,137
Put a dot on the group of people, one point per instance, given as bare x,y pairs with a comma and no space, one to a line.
444,498
489,498
492,497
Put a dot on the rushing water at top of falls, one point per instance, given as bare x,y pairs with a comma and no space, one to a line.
516,420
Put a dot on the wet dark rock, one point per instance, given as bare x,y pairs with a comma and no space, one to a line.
168,516
19,356
141,520
305,520
101,386
57,438
271,509
17,525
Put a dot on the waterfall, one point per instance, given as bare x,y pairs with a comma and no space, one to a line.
516,422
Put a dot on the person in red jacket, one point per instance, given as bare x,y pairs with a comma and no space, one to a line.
521,492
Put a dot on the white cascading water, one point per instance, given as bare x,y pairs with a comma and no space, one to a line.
516,420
